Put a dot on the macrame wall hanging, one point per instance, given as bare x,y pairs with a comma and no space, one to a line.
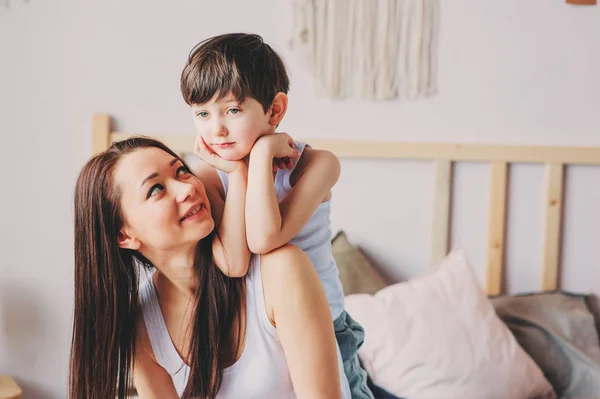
369,49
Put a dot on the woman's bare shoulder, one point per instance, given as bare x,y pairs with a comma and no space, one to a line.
284,271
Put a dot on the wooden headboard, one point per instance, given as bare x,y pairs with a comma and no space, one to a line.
443,155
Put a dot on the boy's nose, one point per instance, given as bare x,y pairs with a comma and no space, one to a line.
219,130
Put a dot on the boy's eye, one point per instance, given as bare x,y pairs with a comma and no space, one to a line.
154,190
234,111
182,170
202,114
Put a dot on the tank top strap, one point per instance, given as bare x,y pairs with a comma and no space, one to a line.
224,179
162,345
258,298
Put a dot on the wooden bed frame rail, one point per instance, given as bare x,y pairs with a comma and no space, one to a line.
499,157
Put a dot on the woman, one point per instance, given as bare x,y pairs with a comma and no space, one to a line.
193,332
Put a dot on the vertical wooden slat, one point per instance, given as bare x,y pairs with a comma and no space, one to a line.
496,227
552,226
100,133
441,210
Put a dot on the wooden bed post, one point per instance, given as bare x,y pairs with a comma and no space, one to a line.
552,226
496,227
100,133
442,194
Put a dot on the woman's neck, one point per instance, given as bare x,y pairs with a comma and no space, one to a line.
176,272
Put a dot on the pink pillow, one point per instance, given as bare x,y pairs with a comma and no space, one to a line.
438,336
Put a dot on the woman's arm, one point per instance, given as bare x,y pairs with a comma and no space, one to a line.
150,379
297,306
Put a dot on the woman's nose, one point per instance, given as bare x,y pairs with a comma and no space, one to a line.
184,191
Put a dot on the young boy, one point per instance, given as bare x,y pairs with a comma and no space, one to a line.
269,189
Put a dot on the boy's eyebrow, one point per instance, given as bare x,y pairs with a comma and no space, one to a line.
155,174
230,98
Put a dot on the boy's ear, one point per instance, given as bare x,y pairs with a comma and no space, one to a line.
278,108
127,241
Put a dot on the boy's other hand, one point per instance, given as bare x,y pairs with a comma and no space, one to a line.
279,147
203,151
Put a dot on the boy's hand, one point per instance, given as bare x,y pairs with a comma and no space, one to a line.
280,147
213,159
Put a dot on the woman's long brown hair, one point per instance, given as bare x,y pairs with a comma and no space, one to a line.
106,293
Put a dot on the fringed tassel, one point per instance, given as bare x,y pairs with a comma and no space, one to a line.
371,49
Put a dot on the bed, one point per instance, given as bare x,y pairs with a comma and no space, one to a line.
550,336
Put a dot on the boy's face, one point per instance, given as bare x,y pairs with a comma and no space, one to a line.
231,128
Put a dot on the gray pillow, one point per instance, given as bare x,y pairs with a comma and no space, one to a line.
593,303
559,332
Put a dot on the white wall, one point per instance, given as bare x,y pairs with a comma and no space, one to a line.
509,72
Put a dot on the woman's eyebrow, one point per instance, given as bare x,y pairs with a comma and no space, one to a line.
155,174
152,176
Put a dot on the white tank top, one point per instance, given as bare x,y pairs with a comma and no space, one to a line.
261,372
314,238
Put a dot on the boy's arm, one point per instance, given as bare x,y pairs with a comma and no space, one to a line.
270,225
230,248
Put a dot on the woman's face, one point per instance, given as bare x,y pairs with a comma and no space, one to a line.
164,206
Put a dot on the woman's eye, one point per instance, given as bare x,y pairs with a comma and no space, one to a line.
154,190
234,111
182,170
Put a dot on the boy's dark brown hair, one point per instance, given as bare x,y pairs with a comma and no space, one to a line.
240,63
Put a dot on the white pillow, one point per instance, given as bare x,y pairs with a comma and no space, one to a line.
437,336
